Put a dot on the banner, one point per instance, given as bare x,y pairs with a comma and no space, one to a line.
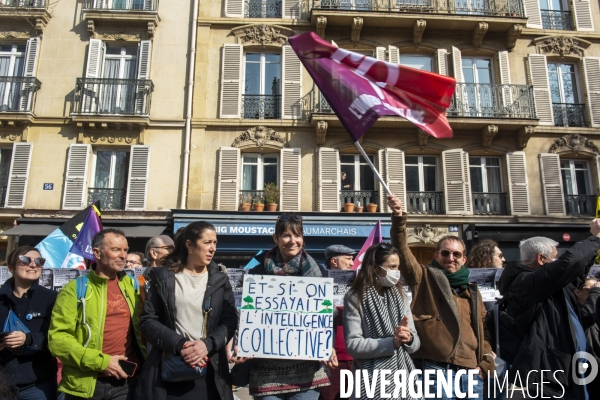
374,238
236,279
485,278
342,280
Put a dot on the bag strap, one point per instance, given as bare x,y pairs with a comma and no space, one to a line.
497,327
81,287
207,310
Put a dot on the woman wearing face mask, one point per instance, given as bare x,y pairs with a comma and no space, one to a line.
378,325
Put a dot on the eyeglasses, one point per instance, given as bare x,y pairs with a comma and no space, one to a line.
548,258
169,247
446,253
132,262
500,255
39,261
287,217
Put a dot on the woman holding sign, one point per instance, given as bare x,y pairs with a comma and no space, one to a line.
378,325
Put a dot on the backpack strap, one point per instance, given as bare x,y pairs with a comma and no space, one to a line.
136,283
81,287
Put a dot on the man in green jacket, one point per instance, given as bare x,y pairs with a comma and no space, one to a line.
92,337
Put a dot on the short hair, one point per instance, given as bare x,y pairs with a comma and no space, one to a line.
482,254
451,238
530,248
99,238
152,243
328,261
140,255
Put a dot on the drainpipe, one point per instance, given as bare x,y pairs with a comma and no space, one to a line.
188,109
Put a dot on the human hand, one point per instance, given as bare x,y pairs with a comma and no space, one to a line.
238,360
595,227
195,353
14,339
395,204
333,361
114,370
402,334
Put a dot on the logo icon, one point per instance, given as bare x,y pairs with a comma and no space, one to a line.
581,363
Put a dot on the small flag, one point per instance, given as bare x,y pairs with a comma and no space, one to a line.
375,237
254,262
82,246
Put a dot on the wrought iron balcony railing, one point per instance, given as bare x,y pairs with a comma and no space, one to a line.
103,96
2,196
251,197
489,203
360,198
580,204
17,93
424,202
512,8
263,9
320,104
121,5
566,114
261,106
110,199
488,100
23,3
557,20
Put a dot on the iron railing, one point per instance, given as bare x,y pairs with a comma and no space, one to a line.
23,3
263,9
110,199
512,8
17,93
424,202
489,203
566,114
121,5
3,195
251,197
489,100
320,104
360,198
261,106
112,96
557,20
580,204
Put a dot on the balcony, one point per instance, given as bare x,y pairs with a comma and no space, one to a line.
424,202
360,198
121,5
17,93
3,196
261,106
22,3
492,101
566,114
251,197
557,20
110,199
489,203
320,104
143,13
262,9
583,205
117,97
34,12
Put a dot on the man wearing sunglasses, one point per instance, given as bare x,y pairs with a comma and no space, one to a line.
447,309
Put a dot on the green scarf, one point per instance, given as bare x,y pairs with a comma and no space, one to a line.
459,278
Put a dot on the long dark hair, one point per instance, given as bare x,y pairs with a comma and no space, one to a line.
482,254
177,259
12,258
374,257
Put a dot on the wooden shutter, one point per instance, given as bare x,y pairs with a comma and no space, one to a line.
393,55
93,69
504,72
231,81
380,53
518,184
538,76
74,196
533,14
228,189
554,201
292,84
31,59
457,65
290,179
467,180
456,185
591,69
441,57
328,178
137,185
143,72
234,8
391,167
582,11
291,9
18,175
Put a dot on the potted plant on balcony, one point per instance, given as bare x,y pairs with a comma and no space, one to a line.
359,207
244,206
372,207
258,205
271,192
349,207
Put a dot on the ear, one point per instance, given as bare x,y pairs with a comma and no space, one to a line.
97,253
275,238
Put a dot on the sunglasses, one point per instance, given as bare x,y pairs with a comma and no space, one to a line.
287,217
446,253
39,261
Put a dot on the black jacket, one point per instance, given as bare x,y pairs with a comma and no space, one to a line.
537,299
36,364
158,327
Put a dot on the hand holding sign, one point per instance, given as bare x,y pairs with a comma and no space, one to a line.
333,360
402,334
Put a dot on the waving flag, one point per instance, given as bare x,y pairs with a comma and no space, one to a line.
82,246
375,237
361,89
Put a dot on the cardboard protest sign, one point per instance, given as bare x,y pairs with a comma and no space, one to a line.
4,274
342,280
286,317
46,278
62,276
236,279
485,278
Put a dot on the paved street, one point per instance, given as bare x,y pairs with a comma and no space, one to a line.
242,394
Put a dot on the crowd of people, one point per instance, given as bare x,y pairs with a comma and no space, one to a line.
170,334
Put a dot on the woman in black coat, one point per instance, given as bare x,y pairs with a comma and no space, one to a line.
174,322
25,361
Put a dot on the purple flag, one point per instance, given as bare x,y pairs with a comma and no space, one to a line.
82,246
375,237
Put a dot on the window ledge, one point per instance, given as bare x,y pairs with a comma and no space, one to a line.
148,18
102,121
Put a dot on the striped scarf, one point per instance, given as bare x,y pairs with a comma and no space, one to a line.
382,315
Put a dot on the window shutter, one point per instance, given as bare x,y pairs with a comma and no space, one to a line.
554,201
533,14
457,65
292,84
291,9
538,76
456,186
93,69
441,58
504,72
231,81
143,72
328,177
137,185
31,59
591,69
234,8
380,53
391,167
76,177
518,186
18,175
394,55
467,180
583,15
290,179
228,190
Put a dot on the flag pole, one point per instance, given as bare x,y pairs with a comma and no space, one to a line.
362,151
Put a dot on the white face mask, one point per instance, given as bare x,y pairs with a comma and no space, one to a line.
390,279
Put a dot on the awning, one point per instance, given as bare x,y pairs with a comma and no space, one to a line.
140,230
46,229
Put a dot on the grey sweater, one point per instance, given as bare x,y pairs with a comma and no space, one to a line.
362,348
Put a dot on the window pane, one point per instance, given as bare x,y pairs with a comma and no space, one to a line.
429,160
270,160
348,182
430,179
416,61
493,180
412,178
5,156
476,180
581,179
367,179
270,172
412,160
249,177
580,164
102,174
474,160
252,78
347,159
249,159
121,169
272,74
567,182
253,57
494,162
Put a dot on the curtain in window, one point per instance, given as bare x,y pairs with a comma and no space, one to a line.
127,101
121,168
493,175
108,96
102,174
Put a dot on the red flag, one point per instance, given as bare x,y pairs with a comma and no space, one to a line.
361,89
374,238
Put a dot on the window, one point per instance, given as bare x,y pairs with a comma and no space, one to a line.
358,175
421,174
120,4
417,61
119,63
555,15
478,73
576,177
565,99
12,62
486,176
109,179
5,157
262,86
258,170
263,9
